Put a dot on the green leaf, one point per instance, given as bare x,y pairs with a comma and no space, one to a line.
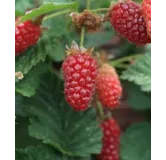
43,153
140,72
19,105
97,39
56,49
137,99
35,153
22,139
99,3
55,123
56,37
136,142
47,8
22,5
56,46
57,26
28,85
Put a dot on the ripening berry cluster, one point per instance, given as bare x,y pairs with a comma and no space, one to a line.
83,77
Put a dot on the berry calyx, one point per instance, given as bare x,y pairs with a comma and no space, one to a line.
108,87
26,35
87,19
110,141
80,71
146,8
127,19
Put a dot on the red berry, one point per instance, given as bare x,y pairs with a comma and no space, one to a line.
26,35
127,20
80,71
108,87
110,140
146,8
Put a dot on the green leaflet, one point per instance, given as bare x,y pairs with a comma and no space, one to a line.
140,72
94,39
19,105
22,5
27,86
136,142
43,153
137,99
55,123
22,139
35,153
31,81
58,36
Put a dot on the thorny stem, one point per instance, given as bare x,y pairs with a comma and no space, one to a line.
118,62
57,14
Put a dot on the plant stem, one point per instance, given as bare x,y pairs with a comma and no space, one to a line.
117,62
57,14
100,110
100,10
82,37
88,4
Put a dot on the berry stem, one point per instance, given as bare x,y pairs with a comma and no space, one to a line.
118,62
100,110
100,10
124,66
57,14
88,4
82,37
